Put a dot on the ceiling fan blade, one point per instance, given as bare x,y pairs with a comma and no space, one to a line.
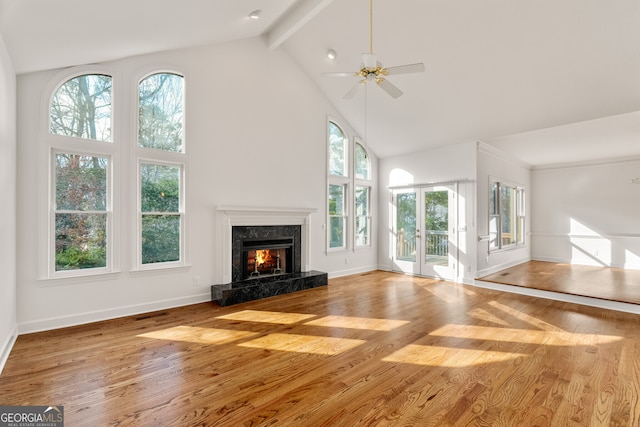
390,88
405,69
340,74
352,91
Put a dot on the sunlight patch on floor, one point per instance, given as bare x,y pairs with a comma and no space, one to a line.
199,335
525,317
481,314
523,336
430,355
358,323
267,317
303,343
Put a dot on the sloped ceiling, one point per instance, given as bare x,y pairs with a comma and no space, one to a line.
548,81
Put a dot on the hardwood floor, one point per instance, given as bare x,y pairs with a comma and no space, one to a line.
367,350
612,284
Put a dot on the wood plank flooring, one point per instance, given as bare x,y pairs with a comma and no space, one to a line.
377,349
612,284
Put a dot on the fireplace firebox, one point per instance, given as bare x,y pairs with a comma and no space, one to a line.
266,250
266,257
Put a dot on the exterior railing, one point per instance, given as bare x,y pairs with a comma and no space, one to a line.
436,243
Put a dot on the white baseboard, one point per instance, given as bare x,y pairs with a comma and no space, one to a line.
496,268
7,345
349,272
96,316
594,264
576,299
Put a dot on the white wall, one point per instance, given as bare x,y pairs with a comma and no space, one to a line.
587,214
8,220
445,164
494,164
256,136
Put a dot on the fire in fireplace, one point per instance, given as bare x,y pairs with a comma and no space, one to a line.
266,257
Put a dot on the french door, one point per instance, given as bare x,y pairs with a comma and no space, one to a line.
425,231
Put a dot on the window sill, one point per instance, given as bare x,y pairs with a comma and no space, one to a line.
150,271
79,278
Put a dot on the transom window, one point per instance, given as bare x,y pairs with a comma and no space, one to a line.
81,107
160,103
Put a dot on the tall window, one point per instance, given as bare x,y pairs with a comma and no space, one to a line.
81,210
363,216
161,213
349,190
338,187
362,166
506,215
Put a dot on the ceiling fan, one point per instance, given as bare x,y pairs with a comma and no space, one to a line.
372,70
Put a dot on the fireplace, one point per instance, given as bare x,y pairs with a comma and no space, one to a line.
260,251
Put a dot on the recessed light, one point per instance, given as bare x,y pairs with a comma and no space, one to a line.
255,14
331,54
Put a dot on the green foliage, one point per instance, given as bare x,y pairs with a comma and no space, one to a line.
160,238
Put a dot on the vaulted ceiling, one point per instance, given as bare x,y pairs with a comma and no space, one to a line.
548,81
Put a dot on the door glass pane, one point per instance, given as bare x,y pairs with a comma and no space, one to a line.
436,229
406,227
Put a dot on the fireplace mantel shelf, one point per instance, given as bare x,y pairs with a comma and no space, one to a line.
265,210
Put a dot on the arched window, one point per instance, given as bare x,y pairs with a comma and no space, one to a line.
161,171
81,174
362,162
337,151
81,107
160,112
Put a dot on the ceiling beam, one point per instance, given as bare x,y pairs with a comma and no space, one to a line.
302,13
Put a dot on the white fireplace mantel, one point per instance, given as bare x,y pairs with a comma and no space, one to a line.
229,216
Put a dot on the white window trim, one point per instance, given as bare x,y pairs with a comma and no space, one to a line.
112,260
182,262
520,192
344,180
54,143
361,182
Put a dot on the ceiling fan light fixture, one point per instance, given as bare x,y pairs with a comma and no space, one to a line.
332,54
255,14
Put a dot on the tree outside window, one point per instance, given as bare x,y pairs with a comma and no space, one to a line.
337,216
160,112
160,206
81,108
81,211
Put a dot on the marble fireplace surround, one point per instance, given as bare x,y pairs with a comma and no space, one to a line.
229,216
